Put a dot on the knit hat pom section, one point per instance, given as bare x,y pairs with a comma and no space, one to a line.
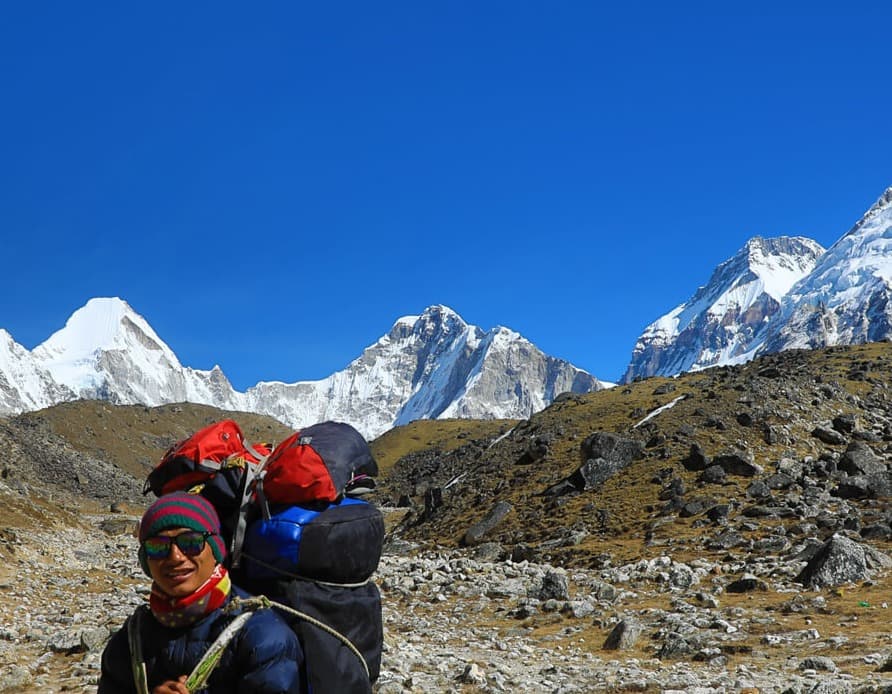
181,510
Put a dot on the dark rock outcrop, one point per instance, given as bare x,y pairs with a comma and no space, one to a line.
605,454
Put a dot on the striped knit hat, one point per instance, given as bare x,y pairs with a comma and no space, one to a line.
181,510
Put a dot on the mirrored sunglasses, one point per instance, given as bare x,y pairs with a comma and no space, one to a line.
189,543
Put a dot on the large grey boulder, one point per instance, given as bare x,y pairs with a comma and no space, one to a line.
859,459
555,586
841,560
623,636
738,463
612,448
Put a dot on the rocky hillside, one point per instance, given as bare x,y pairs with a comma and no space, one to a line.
799,434
728,530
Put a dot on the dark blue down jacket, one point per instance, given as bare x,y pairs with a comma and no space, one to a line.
264,657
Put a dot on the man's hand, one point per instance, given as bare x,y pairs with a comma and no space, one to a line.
172,687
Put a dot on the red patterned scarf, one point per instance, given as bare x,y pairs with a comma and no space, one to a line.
182,612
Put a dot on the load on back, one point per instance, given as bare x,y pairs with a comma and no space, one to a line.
298,533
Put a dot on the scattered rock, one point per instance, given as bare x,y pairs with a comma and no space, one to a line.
746,584
536,451
675,646
714,474
605,455
829,436
472,674
844,423
623,636
859,459
696,459
554,586
818,662
739,463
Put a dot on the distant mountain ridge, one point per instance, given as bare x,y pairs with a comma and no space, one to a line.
720,323
427,366
778,294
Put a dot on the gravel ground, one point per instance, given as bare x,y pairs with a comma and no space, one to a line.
453,622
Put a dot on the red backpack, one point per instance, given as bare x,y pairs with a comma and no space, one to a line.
216,462
319,463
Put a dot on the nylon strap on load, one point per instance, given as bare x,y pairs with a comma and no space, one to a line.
241,527
298,577
137,664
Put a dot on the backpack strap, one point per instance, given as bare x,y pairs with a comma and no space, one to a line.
257,454
137,664
298,577
241,526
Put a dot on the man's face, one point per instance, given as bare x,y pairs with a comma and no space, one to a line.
180,575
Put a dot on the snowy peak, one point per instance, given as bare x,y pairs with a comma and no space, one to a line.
24,384
434,323
428,366
786,293
881,206
846,299
438,323
722,322
102,324
781,262
469,372
107,350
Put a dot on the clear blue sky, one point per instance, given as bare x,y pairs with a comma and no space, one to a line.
272,185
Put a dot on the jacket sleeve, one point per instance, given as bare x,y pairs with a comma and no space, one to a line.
117,674
269,656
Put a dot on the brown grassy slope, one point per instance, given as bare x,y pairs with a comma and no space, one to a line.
90,454
439,434
134,437
768,407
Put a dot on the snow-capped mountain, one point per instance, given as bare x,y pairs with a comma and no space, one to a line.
846,297
24,384
726,320
107,351
779,294
427,366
